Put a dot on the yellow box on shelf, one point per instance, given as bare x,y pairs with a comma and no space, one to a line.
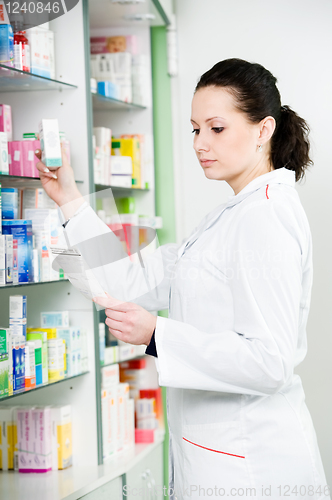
131,147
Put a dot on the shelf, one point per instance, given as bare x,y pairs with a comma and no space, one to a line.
140,356
102,103
74,482
20,181
106,14
42,386
12,285
14,80
101,187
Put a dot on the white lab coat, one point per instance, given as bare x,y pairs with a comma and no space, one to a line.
238,292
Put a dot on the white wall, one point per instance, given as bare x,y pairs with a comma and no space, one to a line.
293,40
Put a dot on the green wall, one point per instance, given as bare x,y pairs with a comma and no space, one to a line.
163,154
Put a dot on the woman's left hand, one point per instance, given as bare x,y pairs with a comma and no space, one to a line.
127,321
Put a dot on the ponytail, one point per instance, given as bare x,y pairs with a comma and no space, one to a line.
257,96
290,144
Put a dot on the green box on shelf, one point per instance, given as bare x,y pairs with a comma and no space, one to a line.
4,376
125,205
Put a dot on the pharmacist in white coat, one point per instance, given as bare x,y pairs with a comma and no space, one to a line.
238,293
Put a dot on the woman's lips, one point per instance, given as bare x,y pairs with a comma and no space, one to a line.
206,163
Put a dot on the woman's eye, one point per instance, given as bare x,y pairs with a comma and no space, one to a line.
195,131
218,129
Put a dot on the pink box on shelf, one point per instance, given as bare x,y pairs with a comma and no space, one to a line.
6,121
28,159
36,145
144,435
15,150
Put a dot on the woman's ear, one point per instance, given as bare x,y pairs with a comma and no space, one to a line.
266,128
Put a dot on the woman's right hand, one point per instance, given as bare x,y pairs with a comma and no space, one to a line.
60,185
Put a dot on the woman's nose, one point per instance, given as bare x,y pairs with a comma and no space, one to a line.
200,143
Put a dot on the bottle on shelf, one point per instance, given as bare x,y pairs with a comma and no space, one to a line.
21,44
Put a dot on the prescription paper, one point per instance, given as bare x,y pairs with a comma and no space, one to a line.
77,271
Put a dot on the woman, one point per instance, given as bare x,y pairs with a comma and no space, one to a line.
238,292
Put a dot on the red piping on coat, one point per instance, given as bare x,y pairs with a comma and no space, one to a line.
215,451
267,187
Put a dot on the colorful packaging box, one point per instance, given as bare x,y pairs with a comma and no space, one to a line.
36,198
50,143
109,376
6,45
4,159
38,361
109,408
18,314
7,438
51,332
2,259
28,152
54,319
62,456
15,149
42,337
18,346
123,395
56,359
9,197
24,439
6,121
21,230
41,440
46,228
30,366
131,147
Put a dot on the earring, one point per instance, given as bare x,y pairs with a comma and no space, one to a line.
260,148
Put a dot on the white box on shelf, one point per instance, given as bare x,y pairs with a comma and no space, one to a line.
122,165
109,376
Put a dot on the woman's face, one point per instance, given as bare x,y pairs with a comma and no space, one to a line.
226,143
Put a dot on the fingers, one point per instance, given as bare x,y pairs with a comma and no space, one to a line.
111,303
115,315
42,168
115,325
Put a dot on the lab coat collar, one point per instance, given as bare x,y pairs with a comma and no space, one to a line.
278,176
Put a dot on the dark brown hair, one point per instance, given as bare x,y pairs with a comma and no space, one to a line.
256,94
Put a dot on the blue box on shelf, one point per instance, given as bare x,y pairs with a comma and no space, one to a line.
21,229
108,89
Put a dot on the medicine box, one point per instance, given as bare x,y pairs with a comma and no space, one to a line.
4,376
6,121
41,440
109,376
2,259
9,197
6,45
30,365
7,425
9,257
15,151
56,359
50,143
21,230
41,336
61,437
4,160
18,347
54,319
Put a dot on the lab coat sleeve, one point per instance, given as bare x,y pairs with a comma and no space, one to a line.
123,279
257,356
